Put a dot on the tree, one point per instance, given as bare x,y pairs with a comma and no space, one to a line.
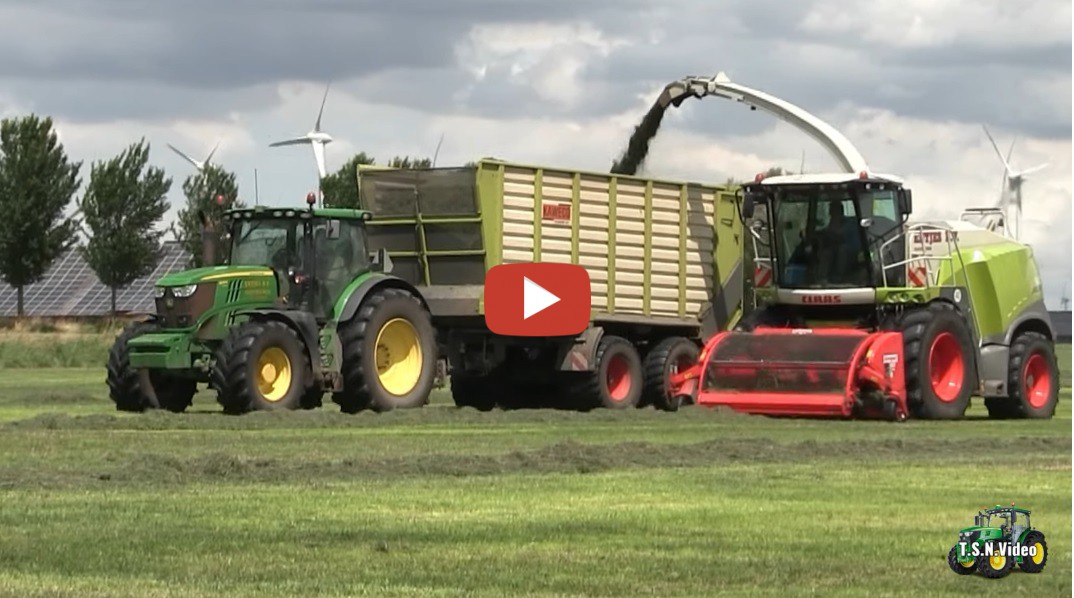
37,184
122,207
211,192
340,189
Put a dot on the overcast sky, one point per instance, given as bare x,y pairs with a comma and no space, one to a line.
562,82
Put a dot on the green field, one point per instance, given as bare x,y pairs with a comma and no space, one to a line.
443,501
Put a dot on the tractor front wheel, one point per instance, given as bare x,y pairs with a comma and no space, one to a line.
1034,563
261,366
995,566
669,357
962,568
389,354
137,390
940,368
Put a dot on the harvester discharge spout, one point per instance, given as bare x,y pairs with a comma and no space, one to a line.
841,372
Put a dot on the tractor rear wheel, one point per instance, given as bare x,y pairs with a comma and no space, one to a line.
1032,377
389,354
480,391
135,390
939,362
261,366
995,566
615,383
967,568
668,357
1035,562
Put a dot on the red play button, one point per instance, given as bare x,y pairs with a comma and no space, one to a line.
538,299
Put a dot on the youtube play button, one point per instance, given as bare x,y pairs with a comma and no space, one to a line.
539,299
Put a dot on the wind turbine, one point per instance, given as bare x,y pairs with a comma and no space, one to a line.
316,138
200,166
1010,198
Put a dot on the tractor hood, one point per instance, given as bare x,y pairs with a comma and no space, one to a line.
972,528
196,275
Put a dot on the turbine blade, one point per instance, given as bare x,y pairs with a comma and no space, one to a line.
210,156
1006,166
317,125
1036,168
318,155
185,157
293,141
1010,151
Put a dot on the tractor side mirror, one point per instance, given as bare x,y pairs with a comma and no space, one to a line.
748,200
906,201
382,262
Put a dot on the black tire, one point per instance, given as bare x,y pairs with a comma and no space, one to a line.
482,392
956,566
996,566
312,399
362,385
946,331
1032,360
1029,565
236,373
662,361
135,391
591,390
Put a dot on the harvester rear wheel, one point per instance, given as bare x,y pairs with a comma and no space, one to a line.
1035,562
616,382
1032,377
133,390
261,366
475,390
389,354
668,357
939,362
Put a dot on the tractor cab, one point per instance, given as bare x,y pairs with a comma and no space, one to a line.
828,231
313,254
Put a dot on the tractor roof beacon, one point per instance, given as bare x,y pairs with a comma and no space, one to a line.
878,315
999,539
298,308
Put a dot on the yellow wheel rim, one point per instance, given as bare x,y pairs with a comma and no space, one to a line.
399,357
967,564
997,561
273,374
1038,556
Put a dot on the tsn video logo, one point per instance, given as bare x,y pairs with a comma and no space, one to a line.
1004,549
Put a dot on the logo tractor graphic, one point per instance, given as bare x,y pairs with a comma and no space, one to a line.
1000,539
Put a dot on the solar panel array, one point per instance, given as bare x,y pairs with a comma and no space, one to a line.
70,288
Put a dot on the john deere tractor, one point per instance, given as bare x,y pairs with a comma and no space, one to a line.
300,308
999,539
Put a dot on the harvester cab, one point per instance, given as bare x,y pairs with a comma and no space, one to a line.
299,307
861,312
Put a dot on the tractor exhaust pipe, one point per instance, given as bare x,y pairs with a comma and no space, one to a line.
209,240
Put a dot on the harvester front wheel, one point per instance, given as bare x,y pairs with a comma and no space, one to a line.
939,363
1034,563
1032,377
261,366
966,568
134,390
389,354
668,357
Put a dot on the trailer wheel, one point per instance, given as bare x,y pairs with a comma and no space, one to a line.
134,390
261,366
1035,562
1032,377
668,357
389,354
968,568
939,363
615,383
474,390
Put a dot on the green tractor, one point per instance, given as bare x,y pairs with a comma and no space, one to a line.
300,308
999,539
